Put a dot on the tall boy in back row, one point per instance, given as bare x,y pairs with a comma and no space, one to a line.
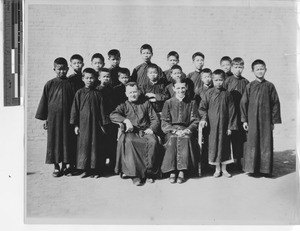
114,57
260,110
198,61
76,63
173,59
139,74
236,85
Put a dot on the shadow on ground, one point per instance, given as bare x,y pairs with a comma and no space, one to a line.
284,163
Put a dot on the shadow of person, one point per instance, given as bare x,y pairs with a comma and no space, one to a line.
284,163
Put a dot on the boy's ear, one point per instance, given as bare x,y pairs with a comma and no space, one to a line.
82,64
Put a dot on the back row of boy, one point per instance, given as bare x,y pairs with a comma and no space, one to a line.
157,107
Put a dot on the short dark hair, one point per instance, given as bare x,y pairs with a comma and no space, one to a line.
206,70
238,61
225,58
98,56
184,80
132,84
114,52
176,67
146,47
256,62
76,56
90,71
60,61
197,54
173,53
219,72
152,65
104,70
124,71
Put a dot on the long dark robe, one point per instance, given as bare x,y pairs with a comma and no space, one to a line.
168,75
202,90
139,74
55,106
260,107
87,113
195,76
217,108
119,94
137,152
161,95
237,86
76,80
181,153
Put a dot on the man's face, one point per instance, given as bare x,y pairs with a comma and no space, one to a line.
132,93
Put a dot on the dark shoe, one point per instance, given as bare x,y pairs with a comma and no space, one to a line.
85,175
123,176
68,172
56,173
180,180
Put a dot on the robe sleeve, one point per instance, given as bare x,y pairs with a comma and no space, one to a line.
166,125
194,119
154,121
134,75
118,115
203,108
42,111
232,123
275,106
244,104
74,117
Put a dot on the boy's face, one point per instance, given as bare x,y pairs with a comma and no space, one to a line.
180,89
237,69
88,79
114,61
225,66
146,55
172,60
218,81
123,78
152,74
206,78
77,65
132,93
198,62
259,71
104,78
97,64
176,75
60,70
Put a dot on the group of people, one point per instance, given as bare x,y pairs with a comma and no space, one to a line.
146,124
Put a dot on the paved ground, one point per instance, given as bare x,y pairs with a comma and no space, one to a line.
206,200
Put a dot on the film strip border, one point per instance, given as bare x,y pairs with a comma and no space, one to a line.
13,52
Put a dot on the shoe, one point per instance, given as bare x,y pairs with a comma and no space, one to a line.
181,180
226,174
68,172
137,181
85,175
123,176
150,180
217,174
56,173
97,176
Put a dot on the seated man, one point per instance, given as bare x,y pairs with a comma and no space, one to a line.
138,147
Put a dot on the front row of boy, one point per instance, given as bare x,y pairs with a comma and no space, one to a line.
139,154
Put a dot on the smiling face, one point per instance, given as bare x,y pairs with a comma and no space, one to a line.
146,55
259,71
88,79
218,81
132,93
114,61
152,74
60,70
180,89
198,62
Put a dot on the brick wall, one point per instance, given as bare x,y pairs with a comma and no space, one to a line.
62,30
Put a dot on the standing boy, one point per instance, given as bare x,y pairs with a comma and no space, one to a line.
137,148
225,64
260,110
119,90
114,57
236,85
198,61
139,74
76,62
88,119
173,59
97,63
54,108
218,112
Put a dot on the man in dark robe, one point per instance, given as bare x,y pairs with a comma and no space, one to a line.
260,110
179,123
54,108
138,146
88,119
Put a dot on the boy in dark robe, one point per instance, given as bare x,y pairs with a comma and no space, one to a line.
236,85
155,90
76,62
88,119
173,59
97,63
138,146
179,123
111,130
139,74
260,110
54,108
217,110
114,57
119,90
225,64
198,61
